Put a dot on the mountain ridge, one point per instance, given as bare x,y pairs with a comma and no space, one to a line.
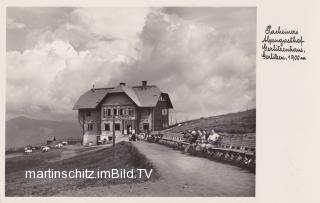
22,130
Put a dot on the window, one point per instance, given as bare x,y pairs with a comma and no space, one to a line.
148,112
146,126
120,112
88,113
115,112
104,112
162,98
117,126
164,112
90,126
109,112
131,111
107,126
164,125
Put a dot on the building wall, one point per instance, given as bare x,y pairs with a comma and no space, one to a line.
136,118
90,134
161,121
144,117
118,101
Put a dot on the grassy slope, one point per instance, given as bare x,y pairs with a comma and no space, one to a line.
233,123
127,158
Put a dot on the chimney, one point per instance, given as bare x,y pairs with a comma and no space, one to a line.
144,83
122,83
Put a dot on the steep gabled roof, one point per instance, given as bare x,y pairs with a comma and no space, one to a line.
169,100
142,96
148,95
131,94
91,98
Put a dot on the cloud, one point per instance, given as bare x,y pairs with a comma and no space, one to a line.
40,17
13,25
203,70
46,81
205,67
118,23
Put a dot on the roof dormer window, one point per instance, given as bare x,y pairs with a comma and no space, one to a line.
162,98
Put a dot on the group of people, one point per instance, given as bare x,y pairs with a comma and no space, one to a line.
137,137
201,136
206,143
132,137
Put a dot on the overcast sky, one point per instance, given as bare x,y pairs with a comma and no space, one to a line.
203,57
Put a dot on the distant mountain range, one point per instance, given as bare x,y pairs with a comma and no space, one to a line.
22,131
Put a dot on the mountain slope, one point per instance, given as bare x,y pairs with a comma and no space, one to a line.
22,131
233,123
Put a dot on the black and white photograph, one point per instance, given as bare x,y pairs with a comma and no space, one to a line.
130,102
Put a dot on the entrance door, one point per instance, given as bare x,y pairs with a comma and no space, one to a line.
146,127
129,129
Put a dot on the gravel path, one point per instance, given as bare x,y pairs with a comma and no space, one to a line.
181,175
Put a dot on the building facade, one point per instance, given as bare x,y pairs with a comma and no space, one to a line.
129,109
